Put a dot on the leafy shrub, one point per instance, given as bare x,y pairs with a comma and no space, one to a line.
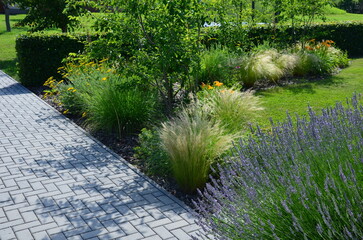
110,102
232,108
319,58
301,181
151,152
39,55
346,35
192,143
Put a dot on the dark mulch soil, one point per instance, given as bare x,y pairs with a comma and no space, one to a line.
124,147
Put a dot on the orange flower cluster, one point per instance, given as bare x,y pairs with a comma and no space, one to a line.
312,45
327,43
209,87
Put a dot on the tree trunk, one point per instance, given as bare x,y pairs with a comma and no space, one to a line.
7,18
253,10
277,11
64,28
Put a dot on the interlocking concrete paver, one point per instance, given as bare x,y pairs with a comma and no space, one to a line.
57,182
162,232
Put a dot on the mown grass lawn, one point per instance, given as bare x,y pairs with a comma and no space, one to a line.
316,93
337,15
7,41
7,44
344,17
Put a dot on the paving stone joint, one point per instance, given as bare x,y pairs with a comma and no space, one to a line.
58,182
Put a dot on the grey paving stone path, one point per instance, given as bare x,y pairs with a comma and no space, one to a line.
56,182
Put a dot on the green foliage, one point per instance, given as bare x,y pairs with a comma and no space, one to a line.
193,143
110,101
120,108
233,109
312,58
346,35
308,64
162,36
319,58
49,14
301,180
39,55
151,152
215,64
260,65
348,5
203,131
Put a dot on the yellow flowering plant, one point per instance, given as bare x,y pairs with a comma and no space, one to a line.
107,100
79,76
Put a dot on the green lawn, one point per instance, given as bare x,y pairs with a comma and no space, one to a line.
7,41
344,17
318,94
7,44
337,15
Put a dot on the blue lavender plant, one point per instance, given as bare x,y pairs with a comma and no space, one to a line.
302,180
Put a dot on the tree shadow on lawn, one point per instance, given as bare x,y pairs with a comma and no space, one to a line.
17,29
307,85
9,67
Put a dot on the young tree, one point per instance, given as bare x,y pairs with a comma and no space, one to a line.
44,14
304,13
164,36
7,14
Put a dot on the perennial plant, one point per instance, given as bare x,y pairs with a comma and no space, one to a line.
302,180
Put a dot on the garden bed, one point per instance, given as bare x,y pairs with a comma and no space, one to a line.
124,146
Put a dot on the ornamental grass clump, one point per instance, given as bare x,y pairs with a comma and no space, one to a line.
214,65
311,58
302,180
232,108
107,100
319,58
204,130
260,65
192,143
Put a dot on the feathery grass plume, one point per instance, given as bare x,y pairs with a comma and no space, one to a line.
260,66
193,143
301,181
288,63
232,108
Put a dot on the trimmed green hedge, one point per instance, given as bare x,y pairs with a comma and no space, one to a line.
348,36
39,55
